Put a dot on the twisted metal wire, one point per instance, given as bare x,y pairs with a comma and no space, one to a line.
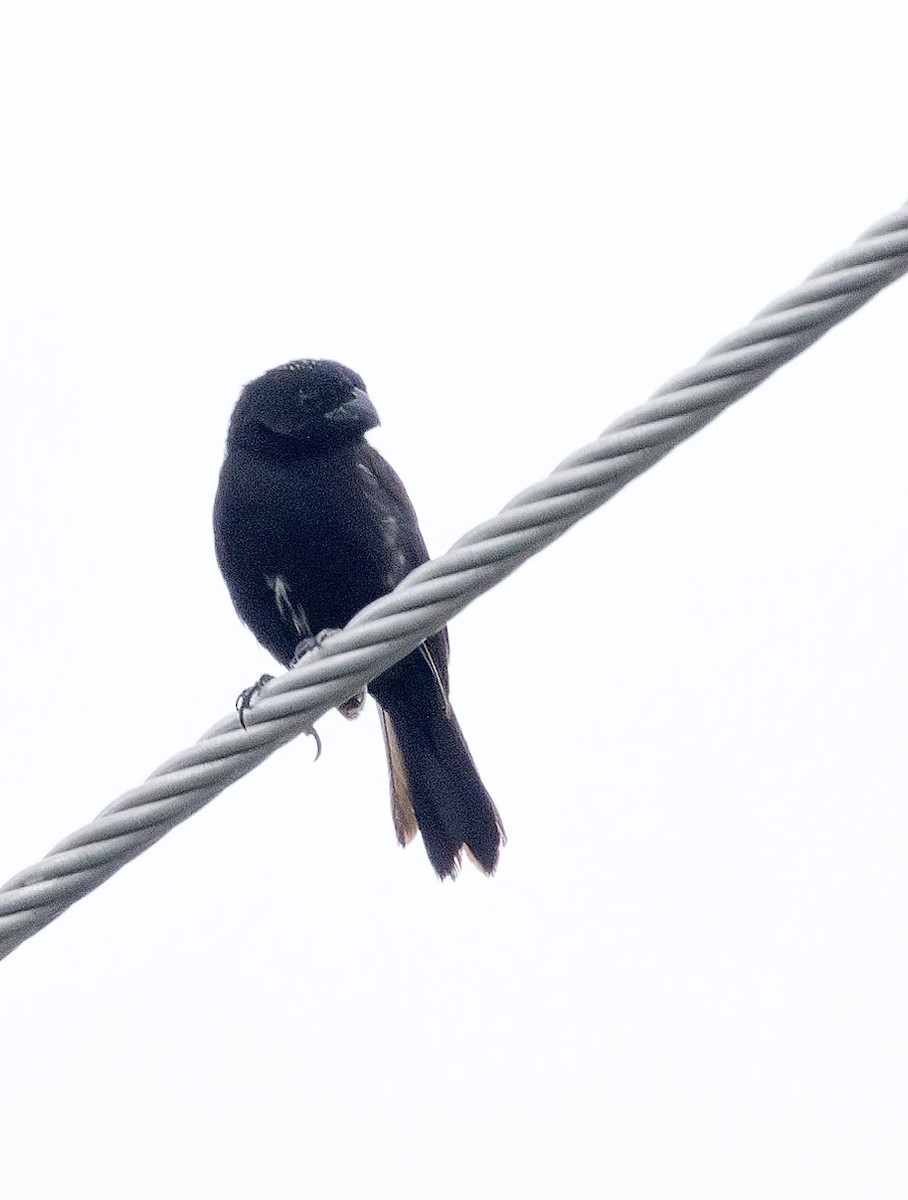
394,625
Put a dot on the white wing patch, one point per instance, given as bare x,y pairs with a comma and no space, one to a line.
288,611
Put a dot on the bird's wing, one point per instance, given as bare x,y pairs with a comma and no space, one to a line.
382,486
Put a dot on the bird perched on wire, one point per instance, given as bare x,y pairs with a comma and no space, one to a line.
310,525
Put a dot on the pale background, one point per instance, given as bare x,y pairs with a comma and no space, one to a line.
689,977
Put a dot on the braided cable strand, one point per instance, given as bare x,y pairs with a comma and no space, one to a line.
394,625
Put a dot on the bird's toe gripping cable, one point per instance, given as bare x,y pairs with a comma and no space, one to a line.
350,708
246,698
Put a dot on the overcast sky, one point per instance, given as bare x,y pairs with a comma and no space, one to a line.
689,976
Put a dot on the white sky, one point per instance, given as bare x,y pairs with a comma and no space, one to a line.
689,977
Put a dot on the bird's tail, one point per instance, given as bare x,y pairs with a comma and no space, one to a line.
436,788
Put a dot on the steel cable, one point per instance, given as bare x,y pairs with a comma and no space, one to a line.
427,599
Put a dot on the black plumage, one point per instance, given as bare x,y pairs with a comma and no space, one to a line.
310,525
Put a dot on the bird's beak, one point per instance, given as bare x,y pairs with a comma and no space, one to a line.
358,410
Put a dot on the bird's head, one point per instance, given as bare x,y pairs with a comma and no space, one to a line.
314,402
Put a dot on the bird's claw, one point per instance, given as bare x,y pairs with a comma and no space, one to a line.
313,732
350,708
307,645
247,697
353,707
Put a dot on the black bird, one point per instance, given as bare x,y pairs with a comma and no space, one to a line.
311,524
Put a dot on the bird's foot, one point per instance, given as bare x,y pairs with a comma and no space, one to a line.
247,697
307,645
353,707
350,708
